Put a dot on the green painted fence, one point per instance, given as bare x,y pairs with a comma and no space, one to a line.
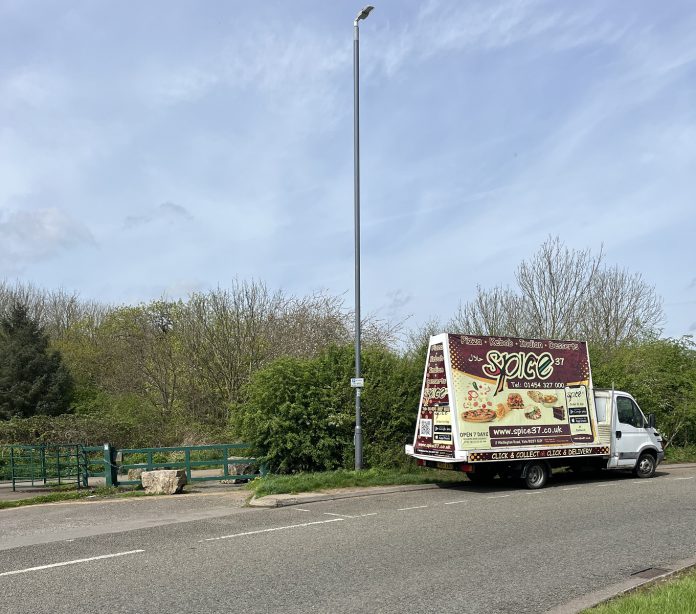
42,465
76,463
219,456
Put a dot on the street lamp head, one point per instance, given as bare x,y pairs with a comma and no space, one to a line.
364,13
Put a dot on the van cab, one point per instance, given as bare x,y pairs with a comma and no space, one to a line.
635,443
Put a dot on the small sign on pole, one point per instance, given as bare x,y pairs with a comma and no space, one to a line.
357,382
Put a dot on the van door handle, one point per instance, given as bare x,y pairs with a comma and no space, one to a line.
618,434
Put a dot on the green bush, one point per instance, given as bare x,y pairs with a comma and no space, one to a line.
661,375
299,413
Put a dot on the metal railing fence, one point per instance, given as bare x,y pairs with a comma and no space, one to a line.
75,464
42,465
189,458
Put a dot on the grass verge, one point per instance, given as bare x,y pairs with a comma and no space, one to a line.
676,596
101,492
311,482
680,454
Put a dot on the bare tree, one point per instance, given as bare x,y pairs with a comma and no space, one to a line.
565,293
63,310
156,344
309,324
498,311
25,294
55,310
620,306
226,336
555,285
416,342
378,331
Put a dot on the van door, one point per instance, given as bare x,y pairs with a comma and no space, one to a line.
630,434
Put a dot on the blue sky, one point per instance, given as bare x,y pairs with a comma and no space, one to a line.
158,148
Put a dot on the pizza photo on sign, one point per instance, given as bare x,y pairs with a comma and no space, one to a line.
479,415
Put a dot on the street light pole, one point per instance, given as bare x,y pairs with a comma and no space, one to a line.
356,192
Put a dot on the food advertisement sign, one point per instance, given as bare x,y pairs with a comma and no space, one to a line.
511,392
434,434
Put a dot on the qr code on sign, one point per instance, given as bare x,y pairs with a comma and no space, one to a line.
426,428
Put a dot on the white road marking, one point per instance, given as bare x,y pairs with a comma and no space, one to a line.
535,492
300,509
349,516
691,478
290,526
415,507
497,497
571,488
74,562
454,502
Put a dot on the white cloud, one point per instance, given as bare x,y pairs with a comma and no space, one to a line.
31,86
473,27
271,58
178,85
35,235
167,212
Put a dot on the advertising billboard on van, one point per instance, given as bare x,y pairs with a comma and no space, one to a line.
497,393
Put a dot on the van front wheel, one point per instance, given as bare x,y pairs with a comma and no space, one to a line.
536,475
645,467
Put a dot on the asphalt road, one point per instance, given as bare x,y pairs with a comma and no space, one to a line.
461,549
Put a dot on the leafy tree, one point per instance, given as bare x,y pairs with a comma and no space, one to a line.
661,375
33,379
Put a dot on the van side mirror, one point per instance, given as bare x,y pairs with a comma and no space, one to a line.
651,421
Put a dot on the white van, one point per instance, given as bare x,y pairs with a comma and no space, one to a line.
519,407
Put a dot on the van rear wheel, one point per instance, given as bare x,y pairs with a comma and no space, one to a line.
536,475
646,465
